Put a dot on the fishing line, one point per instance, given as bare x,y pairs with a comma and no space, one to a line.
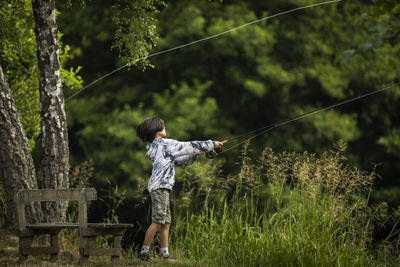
202,40
275,125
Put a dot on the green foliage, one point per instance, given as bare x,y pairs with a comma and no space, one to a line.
70,78
187,110
391,141
81,2
381,21
285,65
18,59
136,33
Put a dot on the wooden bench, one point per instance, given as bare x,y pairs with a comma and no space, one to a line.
87,231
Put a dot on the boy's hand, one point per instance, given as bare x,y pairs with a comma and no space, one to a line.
218,144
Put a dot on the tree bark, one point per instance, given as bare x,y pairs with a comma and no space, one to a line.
16,164
54,167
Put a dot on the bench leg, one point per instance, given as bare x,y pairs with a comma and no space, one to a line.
83,244
54,242
86,242
24,243
116,243
83,258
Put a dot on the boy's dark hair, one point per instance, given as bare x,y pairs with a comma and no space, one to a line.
148,128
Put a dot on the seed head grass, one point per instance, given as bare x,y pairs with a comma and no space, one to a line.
282,209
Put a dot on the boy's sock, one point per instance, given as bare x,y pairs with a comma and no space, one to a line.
145,249
164,252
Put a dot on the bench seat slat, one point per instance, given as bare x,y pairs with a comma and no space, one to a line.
110,225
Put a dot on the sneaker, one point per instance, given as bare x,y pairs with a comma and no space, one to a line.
144,257
165,256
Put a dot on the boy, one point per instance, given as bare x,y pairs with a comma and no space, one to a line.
165,155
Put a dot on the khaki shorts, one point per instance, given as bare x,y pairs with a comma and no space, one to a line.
160,212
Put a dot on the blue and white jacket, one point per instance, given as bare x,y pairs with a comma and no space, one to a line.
168,153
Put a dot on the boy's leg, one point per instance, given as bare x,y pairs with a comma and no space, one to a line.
157,215
150,233
161,218
164,231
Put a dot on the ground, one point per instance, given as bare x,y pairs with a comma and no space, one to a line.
9,257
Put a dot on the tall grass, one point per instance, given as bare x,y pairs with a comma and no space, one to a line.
285,209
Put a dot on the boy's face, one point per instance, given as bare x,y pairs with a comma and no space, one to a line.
164,132
161,133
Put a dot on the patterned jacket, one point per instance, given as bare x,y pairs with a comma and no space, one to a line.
168,153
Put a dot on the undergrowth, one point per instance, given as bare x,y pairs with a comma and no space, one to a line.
284,209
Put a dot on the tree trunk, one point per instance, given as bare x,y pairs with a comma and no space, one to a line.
55,153
16,164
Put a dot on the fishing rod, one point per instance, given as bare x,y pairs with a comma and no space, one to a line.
272,126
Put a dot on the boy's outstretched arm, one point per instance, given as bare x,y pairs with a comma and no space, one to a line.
193,147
